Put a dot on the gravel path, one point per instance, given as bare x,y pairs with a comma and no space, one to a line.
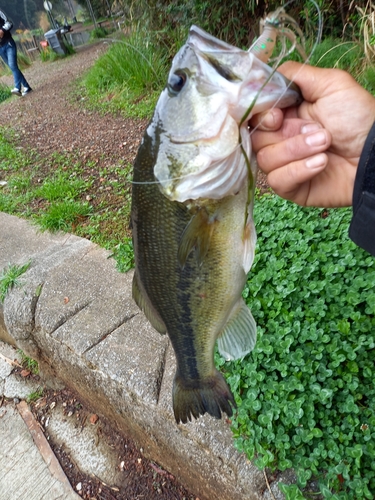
48,120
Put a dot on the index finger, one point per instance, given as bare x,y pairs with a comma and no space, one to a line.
290,128
314,82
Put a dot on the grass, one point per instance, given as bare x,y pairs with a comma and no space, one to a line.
73,199
129,77
28,363
49,55
34,396
63,216
4,92
98,33
10,278
62,187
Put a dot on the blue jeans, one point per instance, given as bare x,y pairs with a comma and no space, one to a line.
8,54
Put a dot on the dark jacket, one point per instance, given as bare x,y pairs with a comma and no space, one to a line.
362,227
6,25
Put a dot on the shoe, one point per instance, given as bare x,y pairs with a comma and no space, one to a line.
16,92
26,91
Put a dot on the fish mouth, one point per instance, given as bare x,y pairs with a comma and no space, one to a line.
266,89
261,87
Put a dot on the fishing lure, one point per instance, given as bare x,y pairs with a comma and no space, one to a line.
275,26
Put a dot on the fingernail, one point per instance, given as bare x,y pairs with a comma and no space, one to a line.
317,161
317,139
310,127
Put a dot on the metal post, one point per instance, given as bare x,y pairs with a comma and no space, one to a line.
48,7
51,20
71,9
92,13
110,14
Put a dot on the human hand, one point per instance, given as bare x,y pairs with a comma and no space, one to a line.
1,33
311,152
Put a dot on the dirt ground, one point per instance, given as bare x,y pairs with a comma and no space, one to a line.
49,121
144,479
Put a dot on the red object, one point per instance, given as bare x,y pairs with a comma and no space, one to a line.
44,44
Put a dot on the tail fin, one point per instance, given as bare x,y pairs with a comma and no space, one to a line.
193,398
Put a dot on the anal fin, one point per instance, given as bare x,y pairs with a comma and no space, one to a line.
239,335
145,305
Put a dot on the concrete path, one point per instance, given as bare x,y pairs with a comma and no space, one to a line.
73,312
24,472
28,468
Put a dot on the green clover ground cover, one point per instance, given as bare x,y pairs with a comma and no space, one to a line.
306,394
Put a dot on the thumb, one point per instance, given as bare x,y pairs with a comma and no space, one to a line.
271,119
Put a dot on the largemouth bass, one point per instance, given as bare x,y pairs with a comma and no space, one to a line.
193,232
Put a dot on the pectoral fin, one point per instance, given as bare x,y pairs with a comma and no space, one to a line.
145,305
249,239
196,236
239,334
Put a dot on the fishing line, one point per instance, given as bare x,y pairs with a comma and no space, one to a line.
248,111
278,18
316,42
160,182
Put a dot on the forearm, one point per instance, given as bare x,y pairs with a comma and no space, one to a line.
362,227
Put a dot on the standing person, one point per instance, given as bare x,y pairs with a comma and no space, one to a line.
8,53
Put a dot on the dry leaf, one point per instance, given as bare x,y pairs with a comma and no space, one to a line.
93,419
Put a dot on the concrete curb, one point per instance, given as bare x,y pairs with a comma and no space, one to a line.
73,312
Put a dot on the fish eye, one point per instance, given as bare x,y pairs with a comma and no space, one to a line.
176,82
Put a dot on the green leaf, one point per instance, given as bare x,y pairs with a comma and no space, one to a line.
291,491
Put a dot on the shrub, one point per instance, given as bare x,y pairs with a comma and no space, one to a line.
135,63
98,33
129,76
4,92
